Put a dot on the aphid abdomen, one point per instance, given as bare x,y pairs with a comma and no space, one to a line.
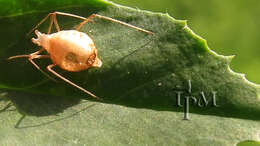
71,49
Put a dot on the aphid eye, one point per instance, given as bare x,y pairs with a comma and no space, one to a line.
91,59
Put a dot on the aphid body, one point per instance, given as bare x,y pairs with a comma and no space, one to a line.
71,50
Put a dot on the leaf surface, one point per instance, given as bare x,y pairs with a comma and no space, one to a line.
139,81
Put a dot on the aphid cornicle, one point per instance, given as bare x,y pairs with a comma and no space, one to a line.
71,50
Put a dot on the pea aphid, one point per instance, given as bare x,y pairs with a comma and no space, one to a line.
71,50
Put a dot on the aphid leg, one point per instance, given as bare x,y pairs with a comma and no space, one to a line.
52,20
26,56
122,23
31,57
102,17
50,26
71,15
85,21
43,20
49,67
55,21
34,56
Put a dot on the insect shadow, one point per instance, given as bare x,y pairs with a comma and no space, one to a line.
17,125
28,104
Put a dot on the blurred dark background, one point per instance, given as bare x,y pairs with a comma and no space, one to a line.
230,27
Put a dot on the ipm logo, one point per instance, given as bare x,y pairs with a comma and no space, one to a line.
200,101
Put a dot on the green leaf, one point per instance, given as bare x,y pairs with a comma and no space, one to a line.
139,81
249,143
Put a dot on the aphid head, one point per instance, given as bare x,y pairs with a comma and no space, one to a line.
93,60
40,41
